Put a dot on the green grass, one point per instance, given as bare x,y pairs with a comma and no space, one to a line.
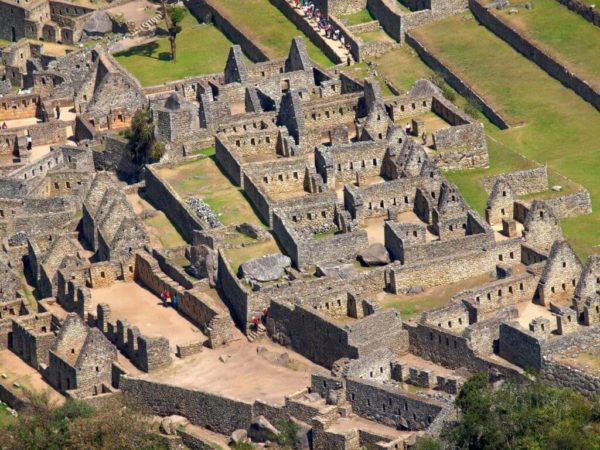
201,49
5,416
562,33
165,230
402,66
323,236
210,151
362,16
203,178
374,36
403,7
238,256
267,27
555,125
413,307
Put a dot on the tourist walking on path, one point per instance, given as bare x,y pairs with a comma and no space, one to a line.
175,301
163,298
28,142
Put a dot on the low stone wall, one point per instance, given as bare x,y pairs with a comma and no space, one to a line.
547,63
389,16
583,9
570,377
456,82
522,182
205,10
219,414
166,199
319,40
571,205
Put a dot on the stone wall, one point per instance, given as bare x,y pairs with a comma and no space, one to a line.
217,413
545,61
457,83
570,377
167,200
519,346
465,265
584,9
390,405
570,205
522,182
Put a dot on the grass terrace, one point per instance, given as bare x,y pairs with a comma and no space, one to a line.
375,36
266,26
563,34
362,16
551,124
203,178
251,250
411,306
201,49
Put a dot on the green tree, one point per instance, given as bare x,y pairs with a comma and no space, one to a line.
526,415
173,16
76,425
142,145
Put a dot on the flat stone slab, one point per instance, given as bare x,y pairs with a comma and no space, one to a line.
375,255
265,268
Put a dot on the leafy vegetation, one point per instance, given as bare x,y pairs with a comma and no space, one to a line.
173,16
76,425
142,145
288,435
528,415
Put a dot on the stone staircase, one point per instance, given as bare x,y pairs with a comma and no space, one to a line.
253,335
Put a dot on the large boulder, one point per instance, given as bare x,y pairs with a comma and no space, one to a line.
99,23
265,268
262,430
375,255
203,262
336,269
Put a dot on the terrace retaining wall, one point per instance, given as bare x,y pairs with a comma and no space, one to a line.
535,54
456,82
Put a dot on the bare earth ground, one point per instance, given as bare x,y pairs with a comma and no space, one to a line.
144,310
137,12
247,375
355,422
529,311
18,371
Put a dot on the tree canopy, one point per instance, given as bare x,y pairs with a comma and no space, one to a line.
529,415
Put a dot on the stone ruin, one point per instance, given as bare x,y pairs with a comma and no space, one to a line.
359,208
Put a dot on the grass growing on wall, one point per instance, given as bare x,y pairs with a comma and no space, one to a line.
201,49
267,27
552,124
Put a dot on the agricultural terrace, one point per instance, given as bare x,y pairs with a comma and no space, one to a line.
201,49
551,124
267,27
561,33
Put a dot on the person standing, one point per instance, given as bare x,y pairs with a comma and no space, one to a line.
163,298
175,301
28,142
4,126
57,112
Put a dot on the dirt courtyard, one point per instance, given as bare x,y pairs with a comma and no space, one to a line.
17,371
144,310
245,375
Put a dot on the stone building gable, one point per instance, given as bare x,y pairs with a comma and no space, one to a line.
451,201
71,338
95,351
500,204
235,68
115,214
60,249
9,282
541,227
129,237
298,58
96,192
561,273
589,282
